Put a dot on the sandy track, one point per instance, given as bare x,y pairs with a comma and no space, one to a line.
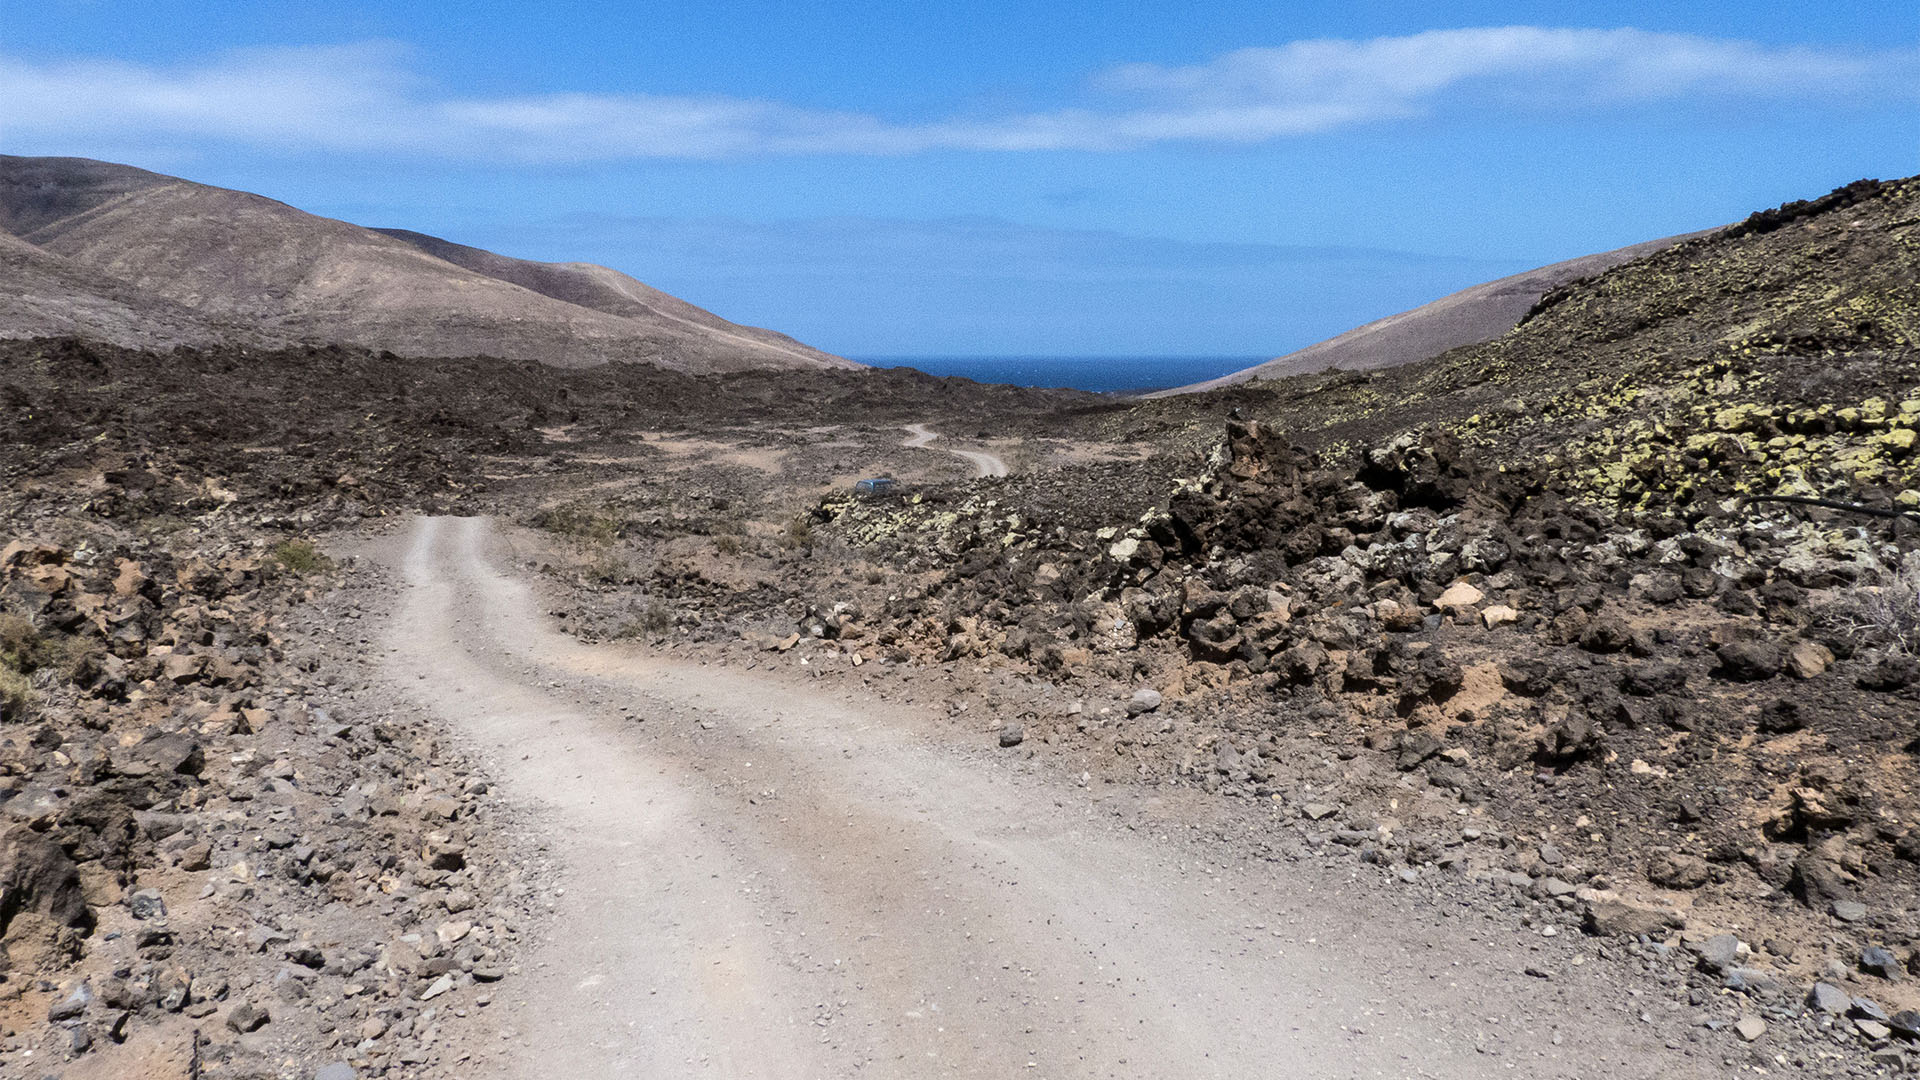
984,462
765,879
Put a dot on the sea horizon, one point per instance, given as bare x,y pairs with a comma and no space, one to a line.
1099,374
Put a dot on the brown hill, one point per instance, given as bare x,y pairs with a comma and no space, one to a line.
601,289
1468,317
236,259
44,295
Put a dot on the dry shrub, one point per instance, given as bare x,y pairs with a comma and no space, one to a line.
582,521
652,619
799,533
607,566
16,695
21,650
301,557
1885,615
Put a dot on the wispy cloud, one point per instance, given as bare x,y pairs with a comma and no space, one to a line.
372,98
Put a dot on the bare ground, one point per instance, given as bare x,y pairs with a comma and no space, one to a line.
984,462
764,878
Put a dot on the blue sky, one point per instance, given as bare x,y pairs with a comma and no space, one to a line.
995,178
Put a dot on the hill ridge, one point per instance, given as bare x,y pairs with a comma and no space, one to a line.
157,242
1468,316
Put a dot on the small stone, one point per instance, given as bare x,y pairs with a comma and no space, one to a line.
1872,1029
1144,700
197,856
440,986
1828,998
1012,735
1876,960
1606,634
1890,673
1750,661
246,1017
1906,1022
1608,918
1459,596
1719,953
288,986
1318,811
307,955
1750,1028
1808,659
1556,888
338,1070
147,904
1868,1009
182,667
1748,980
72,1005
1498,615
1676,871
1849,911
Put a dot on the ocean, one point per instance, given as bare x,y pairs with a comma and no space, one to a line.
1102,374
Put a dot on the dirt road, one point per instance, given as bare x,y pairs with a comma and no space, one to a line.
766,879
984,462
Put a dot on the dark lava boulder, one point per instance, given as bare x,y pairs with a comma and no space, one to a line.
1750,661
37,877
1891,672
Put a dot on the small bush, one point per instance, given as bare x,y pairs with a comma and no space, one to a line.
594,524
726,544
24,650
657,618
654,619
608,567
301,557
21,650
16,695
799,532
1883,616
18,641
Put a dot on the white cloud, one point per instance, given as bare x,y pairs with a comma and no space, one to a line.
369,98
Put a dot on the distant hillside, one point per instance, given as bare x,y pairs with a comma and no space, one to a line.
601,289
1779,355
44,295
137,258
1468,317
